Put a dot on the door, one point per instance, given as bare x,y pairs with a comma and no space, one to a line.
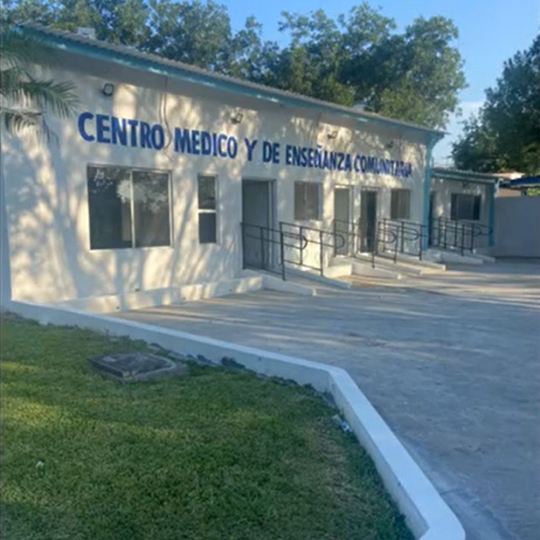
342,220
368,221
257,236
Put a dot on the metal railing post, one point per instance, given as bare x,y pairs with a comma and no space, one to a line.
243,234
462,239
301,246
396,245
402,236
263,265
282,254
321,252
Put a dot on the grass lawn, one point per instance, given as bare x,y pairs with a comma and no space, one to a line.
215,455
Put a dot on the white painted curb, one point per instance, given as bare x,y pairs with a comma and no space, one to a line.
428,516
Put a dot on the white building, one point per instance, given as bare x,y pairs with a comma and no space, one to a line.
147,187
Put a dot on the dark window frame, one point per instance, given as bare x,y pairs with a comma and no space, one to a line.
131,242
397,204
465,211
208,214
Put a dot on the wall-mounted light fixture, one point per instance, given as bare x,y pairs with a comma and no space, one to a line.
389,145
333,134
237,118
107,89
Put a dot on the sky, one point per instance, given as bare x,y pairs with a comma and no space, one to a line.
490,32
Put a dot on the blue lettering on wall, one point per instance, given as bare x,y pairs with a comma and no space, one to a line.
118,131
107,129
102,128
83,117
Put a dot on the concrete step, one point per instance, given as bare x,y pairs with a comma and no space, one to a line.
338,268
305,275
402,267
449,257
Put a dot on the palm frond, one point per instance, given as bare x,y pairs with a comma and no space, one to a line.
25,98
16,120
56,97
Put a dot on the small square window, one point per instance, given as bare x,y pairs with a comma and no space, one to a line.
465,207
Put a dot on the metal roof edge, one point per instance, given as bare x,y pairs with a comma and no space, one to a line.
464,176
134,59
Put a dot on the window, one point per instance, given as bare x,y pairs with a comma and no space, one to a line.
306,201
207,210
400,206
465,206
128,208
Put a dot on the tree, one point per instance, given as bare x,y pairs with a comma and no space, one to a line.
506,133
25,99
357,57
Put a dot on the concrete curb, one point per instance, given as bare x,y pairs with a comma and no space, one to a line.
428,516
164,296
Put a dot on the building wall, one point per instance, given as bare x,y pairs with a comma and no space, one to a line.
517,227
46,184
444,189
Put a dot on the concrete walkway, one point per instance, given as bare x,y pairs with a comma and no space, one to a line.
451,361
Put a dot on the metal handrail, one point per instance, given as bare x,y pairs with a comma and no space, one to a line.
320,242
409,232
457,235
266,236
381,236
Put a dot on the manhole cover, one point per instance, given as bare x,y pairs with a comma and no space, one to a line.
136,366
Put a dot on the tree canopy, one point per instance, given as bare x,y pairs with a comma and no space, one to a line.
505,135
357,58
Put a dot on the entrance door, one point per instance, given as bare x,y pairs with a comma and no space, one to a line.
257,222
368,221
342,220
432,202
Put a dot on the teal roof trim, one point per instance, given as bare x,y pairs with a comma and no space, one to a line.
131,58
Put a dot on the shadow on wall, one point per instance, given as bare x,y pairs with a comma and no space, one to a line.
46,190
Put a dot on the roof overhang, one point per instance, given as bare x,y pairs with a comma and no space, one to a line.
131,58
470,177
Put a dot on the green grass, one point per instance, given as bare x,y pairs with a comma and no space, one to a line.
216,455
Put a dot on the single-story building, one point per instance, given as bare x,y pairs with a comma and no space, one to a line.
170,175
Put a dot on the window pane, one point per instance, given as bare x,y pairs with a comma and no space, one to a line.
299,201
453,207
400,204
109,202
405,209
207,193
476,210
151,208
465,206
207,227
312,201
306,201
